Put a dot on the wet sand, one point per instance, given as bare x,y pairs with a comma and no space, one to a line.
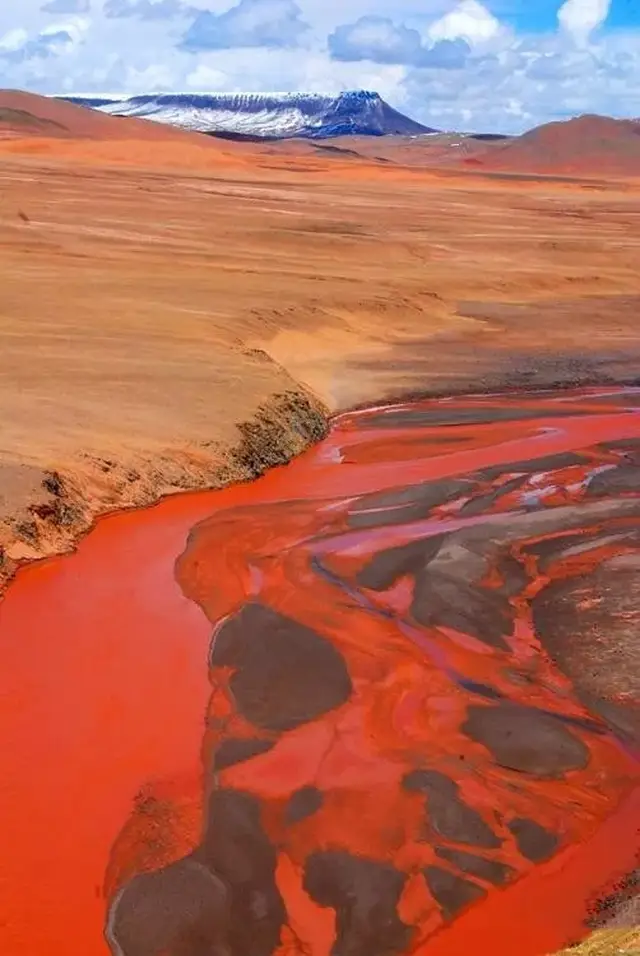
503,503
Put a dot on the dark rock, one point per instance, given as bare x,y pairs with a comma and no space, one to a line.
182,910
526,739
303,803
285,674
533,466
365,894
489,870
406,504
533,840
418,418
447,813
514,576
235,751
451,892
589,626
387,566
236,848
444,601
483,503
625,479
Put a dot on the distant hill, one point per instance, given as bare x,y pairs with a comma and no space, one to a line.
264,115
28,114
587,144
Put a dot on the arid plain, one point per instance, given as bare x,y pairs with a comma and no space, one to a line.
160,288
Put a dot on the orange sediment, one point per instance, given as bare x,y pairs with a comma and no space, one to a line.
441,652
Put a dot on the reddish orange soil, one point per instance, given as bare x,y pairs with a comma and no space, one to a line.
394,749
27,113
584,146
156,294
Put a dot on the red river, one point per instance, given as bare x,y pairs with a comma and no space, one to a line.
383,749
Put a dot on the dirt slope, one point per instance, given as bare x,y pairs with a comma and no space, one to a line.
586,145
161,287
147,312
24,113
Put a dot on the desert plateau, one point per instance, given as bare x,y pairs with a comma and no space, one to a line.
366,408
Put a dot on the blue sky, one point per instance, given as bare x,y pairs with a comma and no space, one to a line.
539,16
458,64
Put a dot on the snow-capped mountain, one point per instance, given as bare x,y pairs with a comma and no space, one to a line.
263,115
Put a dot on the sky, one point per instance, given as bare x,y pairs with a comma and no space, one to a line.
494,65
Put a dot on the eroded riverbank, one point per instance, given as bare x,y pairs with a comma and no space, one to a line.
385,724
136,337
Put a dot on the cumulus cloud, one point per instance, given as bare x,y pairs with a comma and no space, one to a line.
13,40
380,40
446,55
147,9
377,39
469,21
448,63
580,18
67,6
206,78
17,46
534,80
251,23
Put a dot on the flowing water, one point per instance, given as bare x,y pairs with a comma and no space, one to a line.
400,719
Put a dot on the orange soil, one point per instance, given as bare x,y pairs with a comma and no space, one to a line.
108,628
157,291
20,110
584,146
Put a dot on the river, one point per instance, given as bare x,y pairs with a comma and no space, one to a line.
391,724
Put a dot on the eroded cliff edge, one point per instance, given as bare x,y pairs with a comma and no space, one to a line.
65,506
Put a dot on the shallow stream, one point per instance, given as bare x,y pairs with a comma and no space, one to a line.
401,719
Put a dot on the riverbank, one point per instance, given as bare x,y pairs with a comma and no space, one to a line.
148,311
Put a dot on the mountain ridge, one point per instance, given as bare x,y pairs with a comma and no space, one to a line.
262,115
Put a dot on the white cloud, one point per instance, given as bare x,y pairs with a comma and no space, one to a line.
205,78
464,69
531,82
74,29
377,39
382,41
250,23
154,78
580,18
147,9
55,39
13,40
67,6
469,21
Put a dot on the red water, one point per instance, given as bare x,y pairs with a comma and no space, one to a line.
105,689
